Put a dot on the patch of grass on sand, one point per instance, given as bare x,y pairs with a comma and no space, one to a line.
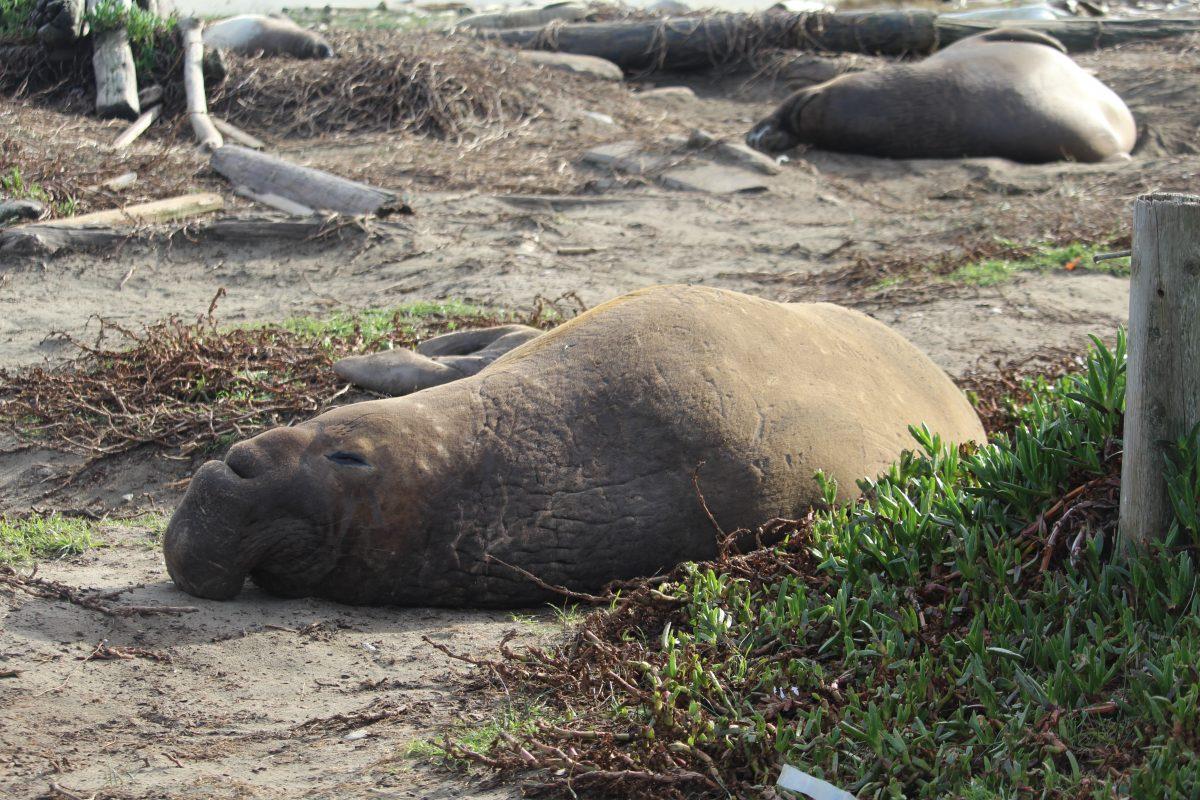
1072,257
151,526
377,324
51,536
963,630
512,719
14,186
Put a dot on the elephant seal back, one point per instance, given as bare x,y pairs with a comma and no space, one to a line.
1011,93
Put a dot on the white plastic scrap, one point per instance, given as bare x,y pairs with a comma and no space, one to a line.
795,780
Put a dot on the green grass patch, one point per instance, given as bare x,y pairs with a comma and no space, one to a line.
54,536
964,630
14,186
1072,257
15,19
148,33
512,719
374,326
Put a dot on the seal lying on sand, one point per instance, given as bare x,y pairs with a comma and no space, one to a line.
250,34
1011,93
571,457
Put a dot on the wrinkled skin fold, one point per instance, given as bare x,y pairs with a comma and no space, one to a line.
570,457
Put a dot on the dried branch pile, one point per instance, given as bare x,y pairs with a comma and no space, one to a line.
189,386
427,84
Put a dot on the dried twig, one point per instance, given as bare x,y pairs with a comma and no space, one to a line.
53,590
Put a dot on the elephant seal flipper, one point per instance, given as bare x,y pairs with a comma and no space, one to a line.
459,343
439,360
395,372
1018,35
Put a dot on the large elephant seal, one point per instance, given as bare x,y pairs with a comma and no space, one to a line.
571,457
1011,93
253,34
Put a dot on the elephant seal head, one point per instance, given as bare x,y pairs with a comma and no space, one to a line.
277,509
789,126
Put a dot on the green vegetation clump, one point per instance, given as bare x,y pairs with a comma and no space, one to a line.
380,326
14,186
53,536
992,271
961,631
15,18
148,32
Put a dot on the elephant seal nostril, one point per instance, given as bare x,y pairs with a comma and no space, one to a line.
241,462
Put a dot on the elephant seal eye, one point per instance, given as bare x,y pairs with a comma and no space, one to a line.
342,458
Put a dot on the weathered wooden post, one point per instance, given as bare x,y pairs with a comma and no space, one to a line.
116,77
1163,389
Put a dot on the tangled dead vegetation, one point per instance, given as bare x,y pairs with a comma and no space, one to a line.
424,83
996,391
189,386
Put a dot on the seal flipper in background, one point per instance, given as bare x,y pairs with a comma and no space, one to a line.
439,360
1020,35
461,343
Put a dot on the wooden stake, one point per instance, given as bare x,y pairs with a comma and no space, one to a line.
137,128
116,78
1163,388
193,83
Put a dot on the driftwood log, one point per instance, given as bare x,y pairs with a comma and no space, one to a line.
685,43
102,228
270,176
231,131
130,134
49,239
190,30
116,77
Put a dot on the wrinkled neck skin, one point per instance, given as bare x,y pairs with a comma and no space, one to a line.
334,507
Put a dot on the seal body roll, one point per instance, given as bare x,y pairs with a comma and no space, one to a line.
1011,93
255,34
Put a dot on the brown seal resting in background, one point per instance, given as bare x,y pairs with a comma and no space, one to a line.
571,457
1011,93
252,34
